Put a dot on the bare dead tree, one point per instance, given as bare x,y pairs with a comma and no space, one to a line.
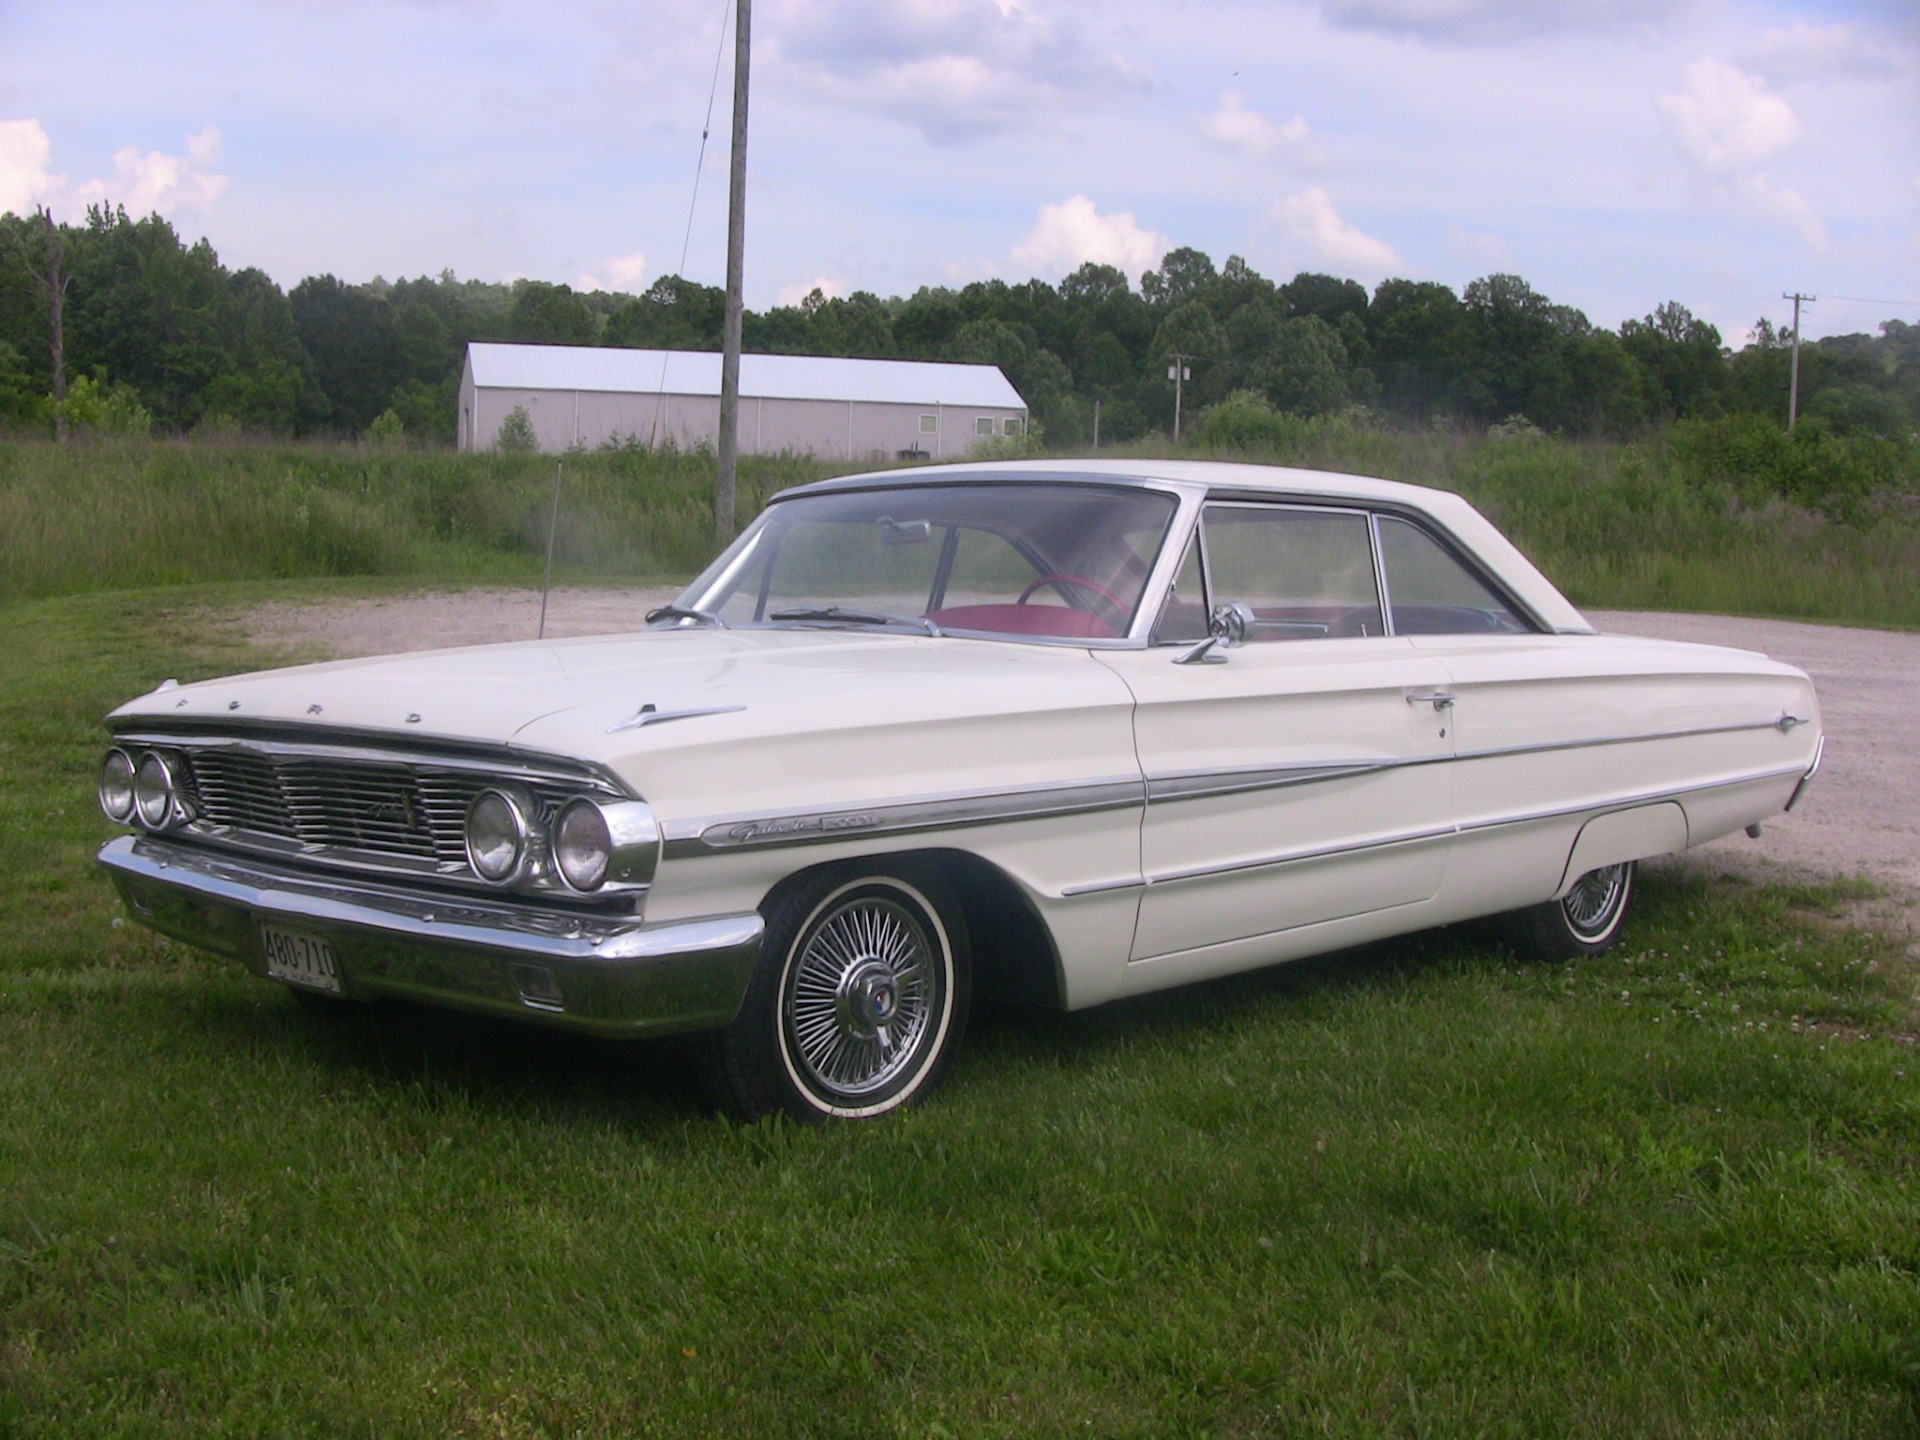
53,278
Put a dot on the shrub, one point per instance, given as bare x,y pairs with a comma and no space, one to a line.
387,429
516,433
1246,420
92,407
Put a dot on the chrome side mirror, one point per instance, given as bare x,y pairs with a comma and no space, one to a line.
1228,627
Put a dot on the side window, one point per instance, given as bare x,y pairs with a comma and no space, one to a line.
988,571
1307,574
1183,619
1431,593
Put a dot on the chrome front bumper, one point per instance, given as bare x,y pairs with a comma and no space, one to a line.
605,975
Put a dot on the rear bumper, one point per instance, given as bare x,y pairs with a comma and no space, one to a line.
600,975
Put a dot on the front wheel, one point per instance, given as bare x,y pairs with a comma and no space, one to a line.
1584,922
857,1004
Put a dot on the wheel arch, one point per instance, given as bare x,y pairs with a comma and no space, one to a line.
1623,835
1010,947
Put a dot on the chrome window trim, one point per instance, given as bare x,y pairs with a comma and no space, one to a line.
1380,573
1187,499
1420,520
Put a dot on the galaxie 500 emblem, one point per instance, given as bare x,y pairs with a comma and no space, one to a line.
796,826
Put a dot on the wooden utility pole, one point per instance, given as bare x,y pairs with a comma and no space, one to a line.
1793,385
1179,374
54,280
723,488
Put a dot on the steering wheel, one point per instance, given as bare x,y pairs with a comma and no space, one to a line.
1063,577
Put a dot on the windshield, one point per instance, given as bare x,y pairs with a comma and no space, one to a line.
1059,561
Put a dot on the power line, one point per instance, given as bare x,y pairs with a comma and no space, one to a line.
686,240
1867,300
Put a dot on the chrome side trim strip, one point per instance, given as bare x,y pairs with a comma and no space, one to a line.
689,839
1202,784
1103,887
1627,801
1205,784
1492,822
1294,857
1548,746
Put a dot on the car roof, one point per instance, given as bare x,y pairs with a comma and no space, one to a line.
1443,508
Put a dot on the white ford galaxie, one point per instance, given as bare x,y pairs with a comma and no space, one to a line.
1051,733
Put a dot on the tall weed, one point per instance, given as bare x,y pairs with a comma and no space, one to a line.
1664,523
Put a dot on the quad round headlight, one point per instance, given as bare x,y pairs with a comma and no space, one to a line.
116,786
498,831
582,845
154,791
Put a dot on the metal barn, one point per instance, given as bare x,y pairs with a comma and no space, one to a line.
579,395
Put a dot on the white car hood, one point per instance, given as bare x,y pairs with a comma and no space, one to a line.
565,696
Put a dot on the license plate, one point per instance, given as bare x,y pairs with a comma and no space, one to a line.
300,959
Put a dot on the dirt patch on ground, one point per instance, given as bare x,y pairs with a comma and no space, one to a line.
1862,818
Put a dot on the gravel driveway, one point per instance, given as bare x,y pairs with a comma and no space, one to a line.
1862,817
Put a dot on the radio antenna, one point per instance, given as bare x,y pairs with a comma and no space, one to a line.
553,529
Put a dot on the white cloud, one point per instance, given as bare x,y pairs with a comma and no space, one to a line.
955,70
1073,233
1237,126
624,272
1494,20
1729,125
1309,219
1726,119
160,183
25,181
794,294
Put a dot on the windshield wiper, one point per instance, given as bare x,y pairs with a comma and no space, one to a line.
840,614
682,612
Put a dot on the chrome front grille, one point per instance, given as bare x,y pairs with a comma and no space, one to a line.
401,812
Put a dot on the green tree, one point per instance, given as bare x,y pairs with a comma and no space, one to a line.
1184,275
1305,371
546,314
347,331
1327,296
1680,359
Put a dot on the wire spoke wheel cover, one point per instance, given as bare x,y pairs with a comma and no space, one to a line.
866,997
1597,901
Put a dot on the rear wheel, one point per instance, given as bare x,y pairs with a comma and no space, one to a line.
1583,922
857,1004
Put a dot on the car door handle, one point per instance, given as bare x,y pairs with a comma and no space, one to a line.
1439,699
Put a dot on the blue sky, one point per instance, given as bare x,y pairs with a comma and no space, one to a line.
1615,153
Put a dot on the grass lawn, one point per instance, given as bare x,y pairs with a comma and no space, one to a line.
1422,1189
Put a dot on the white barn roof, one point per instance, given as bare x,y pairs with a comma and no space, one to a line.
771,377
